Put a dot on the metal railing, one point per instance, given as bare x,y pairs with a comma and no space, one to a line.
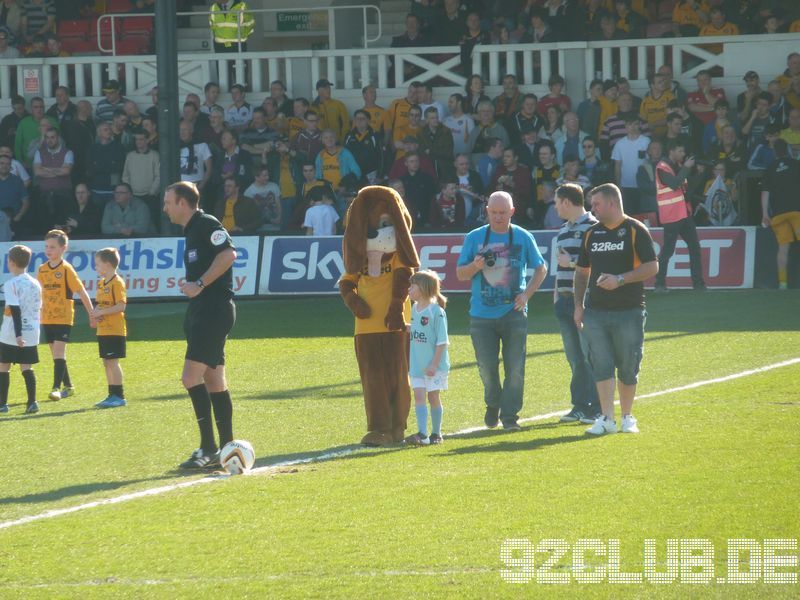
330,10
350,70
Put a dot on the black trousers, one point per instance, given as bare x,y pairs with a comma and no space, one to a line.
687,230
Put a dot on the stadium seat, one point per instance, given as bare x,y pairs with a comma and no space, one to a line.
118,6
138,25
78,46
133,45
74,29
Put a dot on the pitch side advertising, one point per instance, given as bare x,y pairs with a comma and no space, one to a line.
313,265
151,268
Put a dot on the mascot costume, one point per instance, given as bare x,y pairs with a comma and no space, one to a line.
379,258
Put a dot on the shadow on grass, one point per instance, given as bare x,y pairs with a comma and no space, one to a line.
515,445
80,490
337,453
44,415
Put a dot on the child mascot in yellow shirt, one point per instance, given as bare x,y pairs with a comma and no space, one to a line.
379,259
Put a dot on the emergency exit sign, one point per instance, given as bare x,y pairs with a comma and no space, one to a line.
302,21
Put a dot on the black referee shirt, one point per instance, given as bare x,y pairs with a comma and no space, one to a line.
616,251
205,238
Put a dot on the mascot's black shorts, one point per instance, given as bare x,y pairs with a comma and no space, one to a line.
206,326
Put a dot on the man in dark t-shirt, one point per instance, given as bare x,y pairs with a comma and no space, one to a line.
616,258
209,255
780,205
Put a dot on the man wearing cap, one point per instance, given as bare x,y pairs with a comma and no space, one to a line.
239,113
746,101
333,114
104,111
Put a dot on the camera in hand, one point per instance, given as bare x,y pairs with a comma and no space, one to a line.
489,257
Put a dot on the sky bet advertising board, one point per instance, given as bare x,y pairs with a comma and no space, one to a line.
151,268
313,265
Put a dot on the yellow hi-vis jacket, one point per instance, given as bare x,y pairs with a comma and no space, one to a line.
232,26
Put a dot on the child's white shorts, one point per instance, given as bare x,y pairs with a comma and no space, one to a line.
430,384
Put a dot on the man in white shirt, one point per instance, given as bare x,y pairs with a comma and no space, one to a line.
239,113
629,153
459,124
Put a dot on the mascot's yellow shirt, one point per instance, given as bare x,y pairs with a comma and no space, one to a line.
59,283
377,292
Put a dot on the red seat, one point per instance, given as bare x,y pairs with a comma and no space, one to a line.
138,25
133,46
118,6
74,29
78,46
105,26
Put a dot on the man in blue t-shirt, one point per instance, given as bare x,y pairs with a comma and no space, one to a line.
496,258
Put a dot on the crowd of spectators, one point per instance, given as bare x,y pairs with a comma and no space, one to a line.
94,170
470,22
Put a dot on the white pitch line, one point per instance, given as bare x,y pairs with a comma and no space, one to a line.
340,453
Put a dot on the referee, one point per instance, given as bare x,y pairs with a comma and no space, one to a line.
209,256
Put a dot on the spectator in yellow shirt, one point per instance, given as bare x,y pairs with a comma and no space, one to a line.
608,102
333,114
689,16
718,27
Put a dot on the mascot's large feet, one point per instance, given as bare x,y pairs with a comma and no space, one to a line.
398,435
376,438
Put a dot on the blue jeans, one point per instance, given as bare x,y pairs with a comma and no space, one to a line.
614,341
510,330
581,387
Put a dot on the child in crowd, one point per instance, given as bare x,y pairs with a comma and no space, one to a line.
429,363
321,217
111,329
59,283
19,333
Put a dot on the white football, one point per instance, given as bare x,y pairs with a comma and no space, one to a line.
237,457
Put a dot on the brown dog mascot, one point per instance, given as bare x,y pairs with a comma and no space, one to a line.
379,258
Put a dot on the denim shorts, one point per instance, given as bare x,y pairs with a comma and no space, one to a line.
614,342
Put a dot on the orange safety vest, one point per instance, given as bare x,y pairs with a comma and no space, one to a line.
672,205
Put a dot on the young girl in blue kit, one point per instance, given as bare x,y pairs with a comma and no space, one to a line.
429,363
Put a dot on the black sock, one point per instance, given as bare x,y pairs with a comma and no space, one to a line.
202,410
223,415
66,380
116,390
59,368
4,381
30,385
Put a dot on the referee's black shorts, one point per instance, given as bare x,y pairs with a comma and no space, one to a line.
207,325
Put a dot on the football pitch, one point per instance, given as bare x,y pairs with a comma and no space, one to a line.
91,504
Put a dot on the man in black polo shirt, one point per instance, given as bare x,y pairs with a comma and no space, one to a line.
209,257
616,257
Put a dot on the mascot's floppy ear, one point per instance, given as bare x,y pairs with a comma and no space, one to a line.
354,241
401,218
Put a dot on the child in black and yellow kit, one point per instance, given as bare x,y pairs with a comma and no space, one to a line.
111,330
59,283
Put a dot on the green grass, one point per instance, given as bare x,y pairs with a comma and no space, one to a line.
715,462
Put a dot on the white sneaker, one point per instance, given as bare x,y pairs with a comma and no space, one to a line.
629,424
55,395
602,425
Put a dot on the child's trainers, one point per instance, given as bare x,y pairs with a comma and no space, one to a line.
602,426
418,440
436,438
32,408
201,460
67,391
111,402
55,395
